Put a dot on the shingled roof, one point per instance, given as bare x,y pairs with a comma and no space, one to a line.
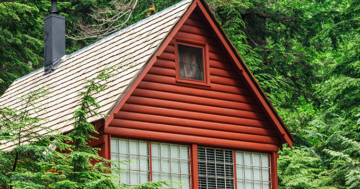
132,47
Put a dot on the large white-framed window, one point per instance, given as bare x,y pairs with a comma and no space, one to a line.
217,168
171,162
253,170
135,151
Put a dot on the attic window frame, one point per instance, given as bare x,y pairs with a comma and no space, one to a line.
198,44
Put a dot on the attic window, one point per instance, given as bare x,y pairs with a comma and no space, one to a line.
191,63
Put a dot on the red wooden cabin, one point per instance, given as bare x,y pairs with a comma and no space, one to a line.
188,109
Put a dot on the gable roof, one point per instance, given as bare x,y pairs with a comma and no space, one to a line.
243,71
135,46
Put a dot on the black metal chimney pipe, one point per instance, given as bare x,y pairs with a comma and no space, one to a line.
54,39
54,7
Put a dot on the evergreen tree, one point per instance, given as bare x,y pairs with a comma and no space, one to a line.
56,160
30,163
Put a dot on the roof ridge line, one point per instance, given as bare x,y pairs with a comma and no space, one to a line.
128,27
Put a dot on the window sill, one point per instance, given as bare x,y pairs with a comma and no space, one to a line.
193,83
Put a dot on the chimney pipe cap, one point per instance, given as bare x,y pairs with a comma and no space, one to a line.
54,7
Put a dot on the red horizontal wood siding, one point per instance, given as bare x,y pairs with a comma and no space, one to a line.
223,114
192,139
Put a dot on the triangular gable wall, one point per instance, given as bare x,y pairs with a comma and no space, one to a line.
231,112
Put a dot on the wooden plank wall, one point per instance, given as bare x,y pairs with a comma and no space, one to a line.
225,110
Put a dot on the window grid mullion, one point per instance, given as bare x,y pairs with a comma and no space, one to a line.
224,166
270,165
180,163
252,163
118,155
207,180
215,169
170,162
139,161
160,161
128,143
261,173
243,154
150,162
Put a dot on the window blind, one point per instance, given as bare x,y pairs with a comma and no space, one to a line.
170,162
216,168
138,153
252,170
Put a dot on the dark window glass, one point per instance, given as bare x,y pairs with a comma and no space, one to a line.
191,62
216,169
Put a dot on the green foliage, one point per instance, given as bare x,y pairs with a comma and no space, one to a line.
30,163
56,160
304,54
80,172
14,125
298,168
21,44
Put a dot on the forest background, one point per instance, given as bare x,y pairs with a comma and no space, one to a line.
304,53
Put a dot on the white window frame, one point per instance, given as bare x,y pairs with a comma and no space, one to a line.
171,173
129,165
261,165
150,156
